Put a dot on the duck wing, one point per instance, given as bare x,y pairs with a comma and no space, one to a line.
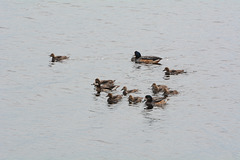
154,58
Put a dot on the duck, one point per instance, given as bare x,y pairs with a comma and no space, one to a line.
97,80
137,58
113,99
125,91
106,87
57,58
158,88
173,71
150,102
167,92
100,89
134,100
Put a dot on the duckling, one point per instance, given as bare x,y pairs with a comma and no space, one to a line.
167,92
134,100
150,103
57,58
109,84
113,99
105,88
145,59
97,80
100,89
125,91
173,71
158,88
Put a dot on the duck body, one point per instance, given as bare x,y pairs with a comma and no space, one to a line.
100,89
167,92
138,58
113,99
125,91
57,58
134,100
158,88
105,88
105,84
150,102
173,71
97,80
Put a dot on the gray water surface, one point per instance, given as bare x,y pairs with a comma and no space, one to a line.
50,111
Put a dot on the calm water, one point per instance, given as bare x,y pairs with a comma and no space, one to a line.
50,111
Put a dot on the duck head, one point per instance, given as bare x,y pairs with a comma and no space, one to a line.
97,80
124,88
137,54
148,98
166,69
109,95
52,55
130,98
154,85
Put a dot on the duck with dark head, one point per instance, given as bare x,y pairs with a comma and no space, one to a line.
150,102
138,58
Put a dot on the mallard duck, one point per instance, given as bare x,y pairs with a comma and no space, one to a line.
145,59
97,80
173,71
158,88
150,103
134,100
167,92
113,99
125,91
57,58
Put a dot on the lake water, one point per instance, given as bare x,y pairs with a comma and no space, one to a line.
50,111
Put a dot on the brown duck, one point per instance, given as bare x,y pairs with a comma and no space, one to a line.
167,92
134,100
57,58
100,89
158,88
125,91
173,71
97,80
113,99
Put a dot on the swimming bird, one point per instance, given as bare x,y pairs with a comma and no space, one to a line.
125,91
106,87
138,58
97,80
57,58
173,71
150,103
100,89
134,100
158,88
113,99
167,92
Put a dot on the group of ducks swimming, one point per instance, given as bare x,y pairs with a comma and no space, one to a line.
109,86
